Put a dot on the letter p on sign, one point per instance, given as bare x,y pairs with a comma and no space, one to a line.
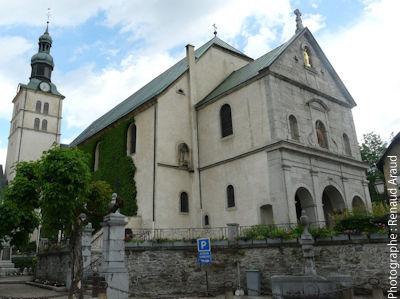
203,244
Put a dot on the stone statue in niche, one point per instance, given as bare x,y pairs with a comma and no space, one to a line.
183,155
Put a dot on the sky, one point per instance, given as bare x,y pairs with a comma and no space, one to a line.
106,50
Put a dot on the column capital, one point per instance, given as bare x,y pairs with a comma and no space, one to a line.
314,172
286,167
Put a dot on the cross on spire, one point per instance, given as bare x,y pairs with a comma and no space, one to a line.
48,19
299,22
215,29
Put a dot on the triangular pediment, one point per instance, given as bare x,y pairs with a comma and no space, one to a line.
314,71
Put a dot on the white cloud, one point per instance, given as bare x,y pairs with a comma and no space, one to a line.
3,154
364,56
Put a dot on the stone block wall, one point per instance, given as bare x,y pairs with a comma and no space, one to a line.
157,271
53,265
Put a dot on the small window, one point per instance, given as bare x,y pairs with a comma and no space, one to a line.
184,203
346,143
132,139
46,108
206,220
44,125
307,57
40,70
97,156
37,124
226,120
230,193
38,106
321,134
294,129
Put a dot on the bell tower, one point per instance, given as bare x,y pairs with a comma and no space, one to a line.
36,118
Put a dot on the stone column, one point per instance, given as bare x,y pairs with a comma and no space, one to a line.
346,198
87,250
233,232
113,267
6,266
317,199
366,195
290,201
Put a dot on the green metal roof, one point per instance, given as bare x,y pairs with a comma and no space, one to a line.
34,85
149,91
42,57
247,72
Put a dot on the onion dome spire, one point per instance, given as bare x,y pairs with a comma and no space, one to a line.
42,63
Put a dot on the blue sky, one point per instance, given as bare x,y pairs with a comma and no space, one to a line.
105,50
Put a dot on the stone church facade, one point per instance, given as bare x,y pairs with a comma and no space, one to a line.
221,138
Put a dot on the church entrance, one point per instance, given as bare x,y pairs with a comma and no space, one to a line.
304,201
333,203
267,215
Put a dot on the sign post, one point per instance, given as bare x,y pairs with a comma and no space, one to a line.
204,249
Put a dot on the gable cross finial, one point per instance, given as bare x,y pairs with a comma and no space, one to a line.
299,22
215,29
48,19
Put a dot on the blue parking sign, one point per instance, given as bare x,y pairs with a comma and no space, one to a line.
204,257
203,244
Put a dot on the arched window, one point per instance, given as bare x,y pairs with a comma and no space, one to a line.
184,203
307,56
38,106
44,125
294,129
226,120
46,108
230,193
131,142
321,134
37,124
206,220
346,143
183,154
97,156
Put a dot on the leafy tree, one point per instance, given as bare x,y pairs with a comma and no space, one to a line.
371,149
61,186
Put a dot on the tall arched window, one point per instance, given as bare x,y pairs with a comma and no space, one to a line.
346,143
230,193
97,156
38,106
226,120
184,203
321,134
36,124
131,142
44,125
294,129
46,108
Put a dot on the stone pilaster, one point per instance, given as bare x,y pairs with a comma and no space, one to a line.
113,267
291,205
317,198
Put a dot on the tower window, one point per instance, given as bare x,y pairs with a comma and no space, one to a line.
206,220
230,193
44,125
40,70
184,203
46,108
294,129
36,124
321,134
38,106
346,143
226,120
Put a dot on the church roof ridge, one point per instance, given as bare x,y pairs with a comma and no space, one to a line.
149,91
248,71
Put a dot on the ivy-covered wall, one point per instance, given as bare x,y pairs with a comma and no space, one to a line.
115,167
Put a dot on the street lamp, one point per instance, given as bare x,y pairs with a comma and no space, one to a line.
379,186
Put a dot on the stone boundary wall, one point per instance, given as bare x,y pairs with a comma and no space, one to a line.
173,270
53,265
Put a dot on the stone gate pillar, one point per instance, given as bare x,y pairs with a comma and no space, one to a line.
113,266
86,249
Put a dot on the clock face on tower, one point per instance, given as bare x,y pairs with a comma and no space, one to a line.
44,86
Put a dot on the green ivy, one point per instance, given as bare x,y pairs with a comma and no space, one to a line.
115,167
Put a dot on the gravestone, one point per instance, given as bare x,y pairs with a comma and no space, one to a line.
6,265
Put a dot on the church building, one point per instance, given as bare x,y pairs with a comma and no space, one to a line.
220,138
36,118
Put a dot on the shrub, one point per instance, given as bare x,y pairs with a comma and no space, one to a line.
24,262
320,232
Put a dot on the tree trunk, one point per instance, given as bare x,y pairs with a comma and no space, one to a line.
76,262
